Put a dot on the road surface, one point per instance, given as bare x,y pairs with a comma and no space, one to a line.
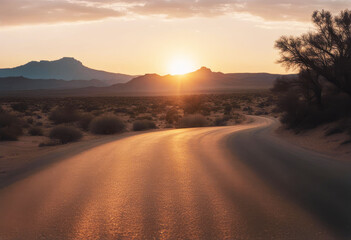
205,183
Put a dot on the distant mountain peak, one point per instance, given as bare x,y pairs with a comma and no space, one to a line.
66,68
68,61
205,69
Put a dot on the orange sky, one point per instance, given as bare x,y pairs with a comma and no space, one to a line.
137,37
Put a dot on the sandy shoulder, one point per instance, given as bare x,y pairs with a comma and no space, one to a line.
316,140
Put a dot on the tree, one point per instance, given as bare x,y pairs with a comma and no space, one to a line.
307,84
325,52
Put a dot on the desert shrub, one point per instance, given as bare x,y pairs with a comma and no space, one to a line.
236,105
65,134
10,127
194,120
262,105
30,120
261,112
28,113
220,122
10,133
227,109
46,108
299,114
248,109
67,114
20,107
140,109
91,107
142,125
85,120
35,131
193,105
238,118
107,124
172,116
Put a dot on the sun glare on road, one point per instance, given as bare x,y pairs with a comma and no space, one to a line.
179,66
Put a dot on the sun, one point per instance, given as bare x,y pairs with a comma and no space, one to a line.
180,66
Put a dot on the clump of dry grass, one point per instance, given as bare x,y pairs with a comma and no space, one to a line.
65,134
108,124
10,127
36,131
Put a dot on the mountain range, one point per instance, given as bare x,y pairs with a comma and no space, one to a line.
63,69
202,80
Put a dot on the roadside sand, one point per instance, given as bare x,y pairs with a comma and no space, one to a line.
316,140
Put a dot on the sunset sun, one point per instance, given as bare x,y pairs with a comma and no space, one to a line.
179,66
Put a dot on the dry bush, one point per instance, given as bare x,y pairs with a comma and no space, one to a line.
20,107
193,104
228,109
108,124
142,125
36,131
67,114
10,127
222,121
194,120
172,116
85,120
238,118
298,114
65,134
30,120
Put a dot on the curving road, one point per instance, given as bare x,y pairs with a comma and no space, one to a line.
205,183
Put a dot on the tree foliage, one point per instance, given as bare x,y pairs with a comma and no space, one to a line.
326,51
321,92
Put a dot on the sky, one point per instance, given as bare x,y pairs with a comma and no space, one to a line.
152,36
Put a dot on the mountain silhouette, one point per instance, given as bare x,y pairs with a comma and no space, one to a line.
201,81
63,69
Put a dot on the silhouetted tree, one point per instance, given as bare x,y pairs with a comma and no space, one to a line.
309,83
325,52
282,84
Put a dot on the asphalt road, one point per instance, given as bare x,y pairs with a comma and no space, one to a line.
206,183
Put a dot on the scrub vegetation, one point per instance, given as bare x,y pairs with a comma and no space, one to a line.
34,117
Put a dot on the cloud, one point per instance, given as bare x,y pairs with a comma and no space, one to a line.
186,8
291,10
19,12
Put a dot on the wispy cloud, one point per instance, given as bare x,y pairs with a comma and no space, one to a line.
19,12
